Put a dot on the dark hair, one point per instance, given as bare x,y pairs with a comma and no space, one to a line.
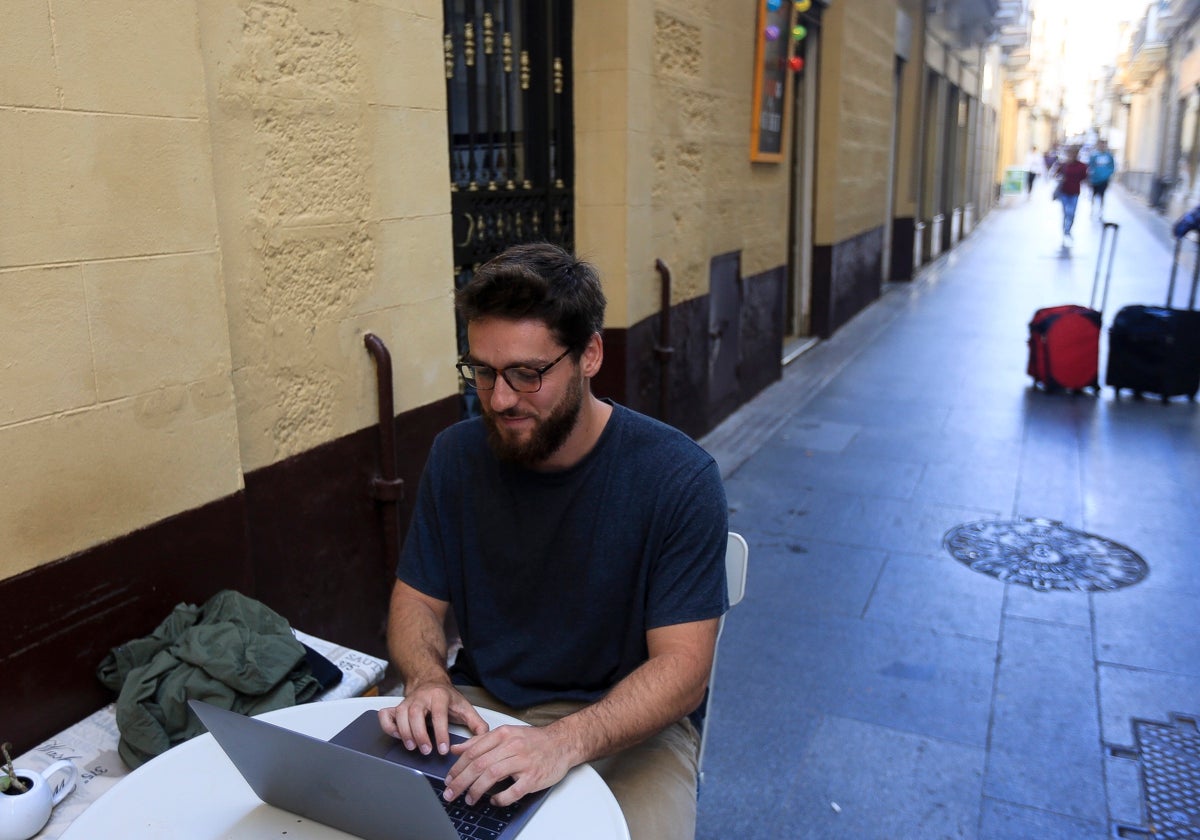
542,281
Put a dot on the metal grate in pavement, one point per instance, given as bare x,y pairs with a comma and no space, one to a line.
1168,756
1044,555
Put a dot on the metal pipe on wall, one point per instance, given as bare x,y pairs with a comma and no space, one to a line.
386,487
663,349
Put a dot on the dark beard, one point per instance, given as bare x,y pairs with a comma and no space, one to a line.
546,439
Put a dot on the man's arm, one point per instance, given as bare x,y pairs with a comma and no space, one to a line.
665,688
417,645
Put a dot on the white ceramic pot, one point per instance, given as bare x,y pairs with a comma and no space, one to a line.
23,815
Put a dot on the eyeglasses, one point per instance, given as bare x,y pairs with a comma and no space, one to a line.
525,380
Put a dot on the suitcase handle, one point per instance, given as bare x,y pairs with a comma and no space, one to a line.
1174,269
1112,253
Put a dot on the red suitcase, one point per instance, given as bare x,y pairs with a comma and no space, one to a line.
1064,341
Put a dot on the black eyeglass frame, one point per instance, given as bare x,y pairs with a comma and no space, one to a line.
470,374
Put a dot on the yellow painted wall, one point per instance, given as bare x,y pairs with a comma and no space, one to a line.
1007,151
332,186
908,132
854,119
206,204
663,116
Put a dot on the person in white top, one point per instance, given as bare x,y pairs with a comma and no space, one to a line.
1034,166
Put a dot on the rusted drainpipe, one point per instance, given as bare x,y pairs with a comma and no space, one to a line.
386,487
664,350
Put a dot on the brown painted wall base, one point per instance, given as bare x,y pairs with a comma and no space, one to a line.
304,537
846,278
633,373
904,233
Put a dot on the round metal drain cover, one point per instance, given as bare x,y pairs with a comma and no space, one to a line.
1044,555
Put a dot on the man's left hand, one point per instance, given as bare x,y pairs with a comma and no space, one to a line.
533,757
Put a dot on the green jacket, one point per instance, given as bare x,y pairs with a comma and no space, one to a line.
233,652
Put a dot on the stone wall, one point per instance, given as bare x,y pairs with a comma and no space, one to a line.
118,404
206,206
663,96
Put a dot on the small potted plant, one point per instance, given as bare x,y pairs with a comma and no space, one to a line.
26,797
10,782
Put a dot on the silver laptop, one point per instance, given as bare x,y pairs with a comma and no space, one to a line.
362,781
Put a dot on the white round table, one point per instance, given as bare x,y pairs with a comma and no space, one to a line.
193,792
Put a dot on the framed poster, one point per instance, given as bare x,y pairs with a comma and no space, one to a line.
772,80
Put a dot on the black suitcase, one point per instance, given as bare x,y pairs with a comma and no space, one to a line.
1156,349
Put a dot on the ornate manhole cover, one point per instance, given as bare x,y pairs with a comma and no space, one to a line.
1044,555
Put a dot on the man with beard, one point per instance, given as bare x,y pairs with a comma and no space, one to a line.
579,547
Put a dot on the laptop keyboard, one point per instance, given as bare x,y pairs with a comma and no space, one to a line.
481,821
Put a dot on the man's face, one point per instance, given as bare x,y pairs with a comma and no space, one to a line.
526,428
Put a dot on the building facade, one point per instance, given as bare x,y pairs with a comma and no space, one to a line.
231,230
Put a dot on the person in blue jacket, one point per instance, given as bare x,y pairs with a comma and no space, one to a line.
1101,167
1187,223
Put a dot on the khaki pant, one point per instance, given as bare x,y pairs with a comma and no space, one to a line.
654,782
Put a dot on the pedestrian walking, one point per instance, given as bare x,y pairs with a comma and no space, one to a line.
1071,175
1050,161
1034,166
1100,169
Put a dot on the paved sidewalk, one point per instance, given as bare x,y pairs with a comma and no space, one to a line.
873,686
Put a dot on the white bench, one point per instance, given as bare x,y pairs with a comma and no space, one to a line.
91,744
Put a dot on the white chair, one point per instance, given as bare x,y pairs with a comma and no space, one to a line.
737,553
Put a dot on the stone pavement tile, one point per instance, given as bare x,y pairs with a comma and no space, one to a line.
803,432
987,485
790,575
1048,779
1006,821
758,508
1146,627
910,527
1045,689
938,593
810,469
1056,607
884,783
1128,693
993,422
1146,479
1050,491
891,385
893,675
841,403
1143,436
1045,736
1054,442
750,759
1122,780
933,446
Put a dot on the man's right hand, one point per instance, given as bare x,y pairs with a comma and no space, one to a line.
430,708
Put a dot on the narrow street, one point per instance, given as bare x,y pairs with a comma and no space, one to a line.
871,685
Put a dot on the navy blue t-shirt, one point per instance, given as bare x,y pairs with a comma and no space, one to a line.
554,578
